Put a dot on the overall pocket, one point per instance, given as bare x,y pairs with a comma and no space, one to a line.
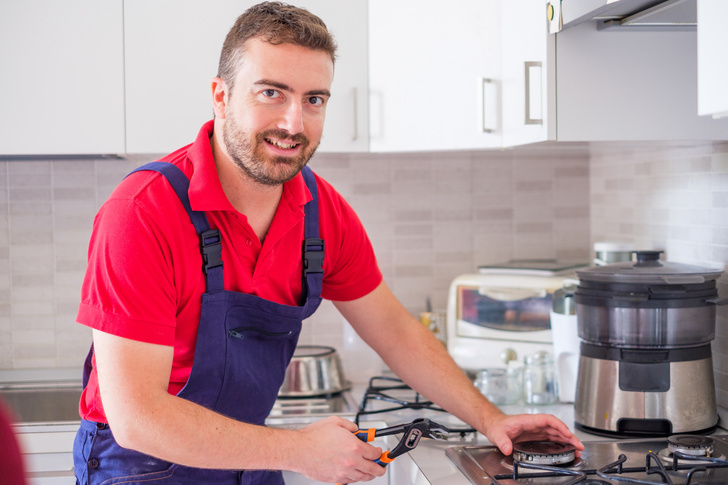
166,476
254,332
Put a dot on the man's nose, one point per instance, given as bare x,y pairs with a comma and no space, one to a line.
292,118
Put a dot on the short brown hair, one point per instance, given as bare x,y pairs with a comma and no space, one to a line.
276,23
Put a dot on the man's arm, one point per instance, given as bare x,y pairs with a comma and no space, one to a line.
133,379
416,356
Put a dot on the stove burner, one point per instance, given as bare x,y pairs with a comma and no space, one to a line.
507,463
543,453
691,445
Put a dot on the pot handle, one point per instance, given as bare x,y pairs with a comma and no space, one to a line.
511,294
718,301
683,280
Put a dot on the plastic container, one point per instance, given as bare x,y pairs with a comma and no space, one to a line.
566,342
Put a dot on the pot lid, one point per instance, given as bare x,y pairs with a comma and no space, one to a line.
649,269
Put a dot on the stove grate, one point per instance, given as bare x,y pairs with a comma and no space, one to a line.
616,472
386,394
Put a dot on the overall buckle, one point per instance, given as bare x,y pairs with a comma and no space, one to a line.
313,255
211,249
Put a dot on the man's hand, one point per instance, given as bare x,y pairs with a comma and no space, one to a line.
331,452
504,430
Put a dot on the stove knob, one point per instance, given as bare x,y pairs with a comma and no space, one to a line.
508,355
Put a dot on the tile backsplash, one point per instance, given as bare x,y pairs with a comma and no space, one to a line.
430,216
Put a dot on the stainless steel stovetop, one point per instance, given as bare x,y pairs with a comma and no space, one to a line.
305,410
644,460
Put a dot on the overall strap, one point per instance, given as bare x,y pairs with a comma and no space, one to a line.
313,245
210,240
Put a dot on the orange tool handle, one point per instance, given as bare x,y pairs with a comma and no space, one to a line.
366,435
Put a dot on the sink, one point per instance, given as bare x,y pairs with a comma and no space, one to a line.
43,395
35,405
40,396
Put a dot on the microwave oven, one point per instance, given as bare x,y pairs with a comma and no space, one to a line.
494,317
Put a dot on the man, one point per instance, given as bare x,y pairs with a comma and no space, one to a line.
194,324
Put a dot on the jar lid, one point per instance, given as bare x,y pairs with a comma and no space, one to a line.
538,358
649,269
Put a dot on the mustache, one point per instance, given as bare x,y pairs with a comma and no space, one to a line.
297,138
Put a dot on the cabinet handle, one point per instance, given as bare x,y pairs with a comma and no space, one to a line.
355,135
533,73
484,118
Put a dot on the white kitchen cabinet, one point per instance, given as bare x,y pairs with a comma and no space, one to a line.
712,61
172,52
525,52
434,75
62,77
48,452
599,85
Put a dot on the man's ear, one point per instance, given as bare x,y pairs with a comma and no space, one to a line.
219,97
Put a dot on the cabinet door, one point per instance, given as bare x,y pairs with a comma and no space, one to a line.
347,114
172,52
62,79
172,48
433,75
526,72
712,62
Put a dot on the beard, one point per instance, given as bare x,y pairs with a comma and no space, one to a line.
249,155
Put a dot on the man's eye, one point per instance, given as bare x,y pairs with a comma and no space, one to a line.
270,93
316,100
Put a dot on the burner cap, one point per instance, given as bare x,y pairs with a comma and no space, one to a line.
543,452
690,444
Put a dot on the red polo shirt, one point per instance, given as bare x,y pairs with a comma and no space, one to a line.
144,277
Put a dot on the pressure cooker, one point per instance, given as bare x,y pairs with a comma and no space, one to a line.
645,365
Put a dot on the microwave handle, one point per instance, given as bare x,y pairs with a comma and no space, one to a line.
511,294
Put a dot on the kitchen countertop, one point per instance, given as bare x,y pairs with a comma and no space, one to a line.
48,445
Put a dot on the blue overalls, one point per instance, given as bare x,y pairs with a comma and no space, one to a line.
244,345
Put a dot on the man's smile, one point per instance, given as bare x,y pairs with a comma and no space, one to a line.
282,144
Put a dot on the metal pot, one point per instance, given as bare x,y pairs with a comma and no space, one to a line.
313,371
647,303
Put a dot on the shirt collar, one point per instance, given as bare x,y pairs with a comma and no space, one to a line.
206,193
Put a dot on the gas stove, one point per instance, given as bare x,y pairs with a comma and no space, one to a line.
676,460
390,396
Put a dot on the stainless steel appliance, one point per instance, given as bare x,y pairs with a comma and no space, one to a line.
681,459
305,410
646,366
503,312
654,15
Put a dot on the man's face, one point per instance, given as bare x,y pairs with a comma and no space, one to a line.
274,115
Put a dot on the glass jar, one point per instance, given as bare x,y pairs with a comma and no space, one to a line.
500,385
539,379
